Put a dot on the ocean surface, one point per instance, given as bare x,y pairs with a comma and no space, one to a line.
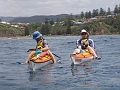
101,74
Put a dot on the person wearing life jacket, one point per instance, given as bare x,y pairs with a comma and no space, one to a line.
85,44
42,47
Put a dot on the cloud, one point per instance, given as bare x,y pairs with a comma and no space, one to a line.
52,7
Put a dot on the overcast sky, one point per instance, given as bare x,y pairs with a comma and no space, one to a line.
26,8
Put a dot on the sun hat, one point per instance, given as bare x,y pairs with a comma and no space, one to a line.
36,35
83,31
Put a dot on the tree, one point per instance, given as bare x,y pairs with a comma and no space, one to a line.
82,14
89,14
51,21
27,32
68,22
109,11
68,29
116,9
47,29
94,13
43,31
46,20
0,20
57,20
119,9
102,12
97,12
86,14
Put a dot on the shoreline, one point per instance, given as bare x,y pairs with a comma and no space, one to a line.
17,37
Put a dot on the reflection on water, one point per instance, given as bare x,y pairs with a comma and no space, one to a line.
82,72
81,69
42,75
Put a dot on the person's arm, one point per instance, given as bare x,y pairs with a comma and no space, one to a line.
46,47
91,43
78,44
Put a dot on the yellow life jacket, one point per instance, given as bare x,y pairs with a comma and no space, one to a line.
40,45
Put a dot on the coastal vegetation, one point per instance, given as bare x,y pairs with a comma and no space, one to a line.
9,31
98,22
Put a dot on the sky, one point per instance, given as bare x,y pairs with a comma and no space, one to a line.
27,8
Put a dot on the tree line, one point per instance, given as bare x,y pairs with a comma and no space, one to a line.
66,26
100,12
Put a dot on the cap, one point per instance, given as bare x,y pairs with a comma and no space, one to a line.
36,35
83,31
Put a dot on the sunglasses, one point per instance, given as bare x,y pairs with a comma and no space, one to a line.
83,33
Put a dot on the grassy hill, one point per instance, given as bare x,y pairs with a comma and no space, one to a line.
8,31
65,27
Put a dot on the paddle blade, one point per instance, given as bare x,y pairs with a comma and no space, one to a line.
30,50
98,58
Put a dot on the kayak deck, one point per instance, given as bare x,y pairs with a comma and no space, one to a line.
81,57
41,60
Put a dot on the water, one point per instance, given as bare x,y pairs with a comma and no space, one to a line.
101,74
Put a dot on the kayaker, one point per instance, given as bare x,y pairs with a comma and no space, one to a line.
42,46
90,45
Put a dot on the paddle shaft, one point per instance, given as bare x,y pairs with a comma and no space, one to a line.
56,55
